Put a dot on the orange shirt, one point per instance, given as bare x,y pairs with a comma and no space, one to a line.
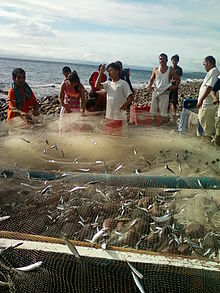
25,105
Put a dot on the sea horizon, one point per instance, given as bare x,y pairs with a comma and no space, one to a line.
45,76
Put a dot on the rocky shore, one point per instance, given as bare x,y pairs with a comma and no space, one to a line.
49,105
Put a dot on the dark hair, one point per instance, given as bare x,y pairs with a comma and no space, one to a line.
175,57
66,69
16,71
118,62
115,66
211,59
163,55
100,65
73,77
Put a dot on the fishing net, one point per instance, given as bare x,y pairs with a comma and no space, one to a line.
79,213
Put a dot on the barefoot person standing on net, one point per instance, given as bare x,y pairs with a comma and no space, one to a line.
21,99
159,89
119,96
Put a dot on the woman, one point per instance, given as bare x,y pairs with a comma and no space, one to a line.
71,97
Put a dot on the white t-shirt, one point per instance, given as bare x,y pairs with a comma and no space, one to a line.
209,80
117,94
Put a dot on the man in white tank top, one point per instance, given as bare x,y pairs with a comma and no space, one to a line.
159,89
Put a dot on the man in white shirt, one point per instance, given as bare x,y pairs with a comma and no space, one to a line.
119,96
215,96
207,110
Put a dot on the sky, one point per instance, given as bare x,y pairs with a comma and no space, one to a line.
102,31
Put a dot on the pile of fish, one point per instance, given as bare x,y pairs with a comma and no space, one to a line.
144,219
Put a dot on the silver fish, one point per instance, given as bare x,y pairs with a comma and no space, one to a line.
118,168
99,162
30,267
137,273
98,235
47,142
162,218
84,170
27,141
137,282
28,185
180,168
4,218
44,152
167,167
72,248
45,189
200,184
171,190
135,151
77,188
94,142
62,153
10,247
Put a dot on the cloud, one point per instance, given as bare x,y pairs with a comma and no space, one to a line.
95,30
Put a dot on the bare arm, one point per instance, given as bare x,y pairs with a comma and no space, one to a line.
153,76
98,84
203,97
83,98
127,103
176,77
62,94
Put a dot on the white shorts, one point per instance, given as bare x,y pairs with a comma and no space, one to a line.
159,105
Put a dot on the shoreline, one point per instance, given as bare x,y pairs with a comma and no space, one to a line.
49,105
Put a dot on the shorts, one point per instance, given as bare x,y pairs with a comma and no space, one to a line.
217,125
207,119
159,105
113,127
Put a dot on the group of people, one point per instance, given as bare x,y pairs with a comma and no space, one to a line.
115,95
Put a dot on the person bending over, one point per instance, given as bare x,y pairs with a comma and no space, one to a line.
71,96
21,98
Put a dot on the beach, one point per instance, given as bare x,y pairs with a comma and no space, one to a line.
49,104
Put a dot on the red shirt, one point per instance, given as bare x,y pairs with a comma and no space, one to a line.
93,79
25,105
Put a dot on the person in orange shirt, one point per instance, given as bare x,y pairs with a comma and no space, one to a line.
21,98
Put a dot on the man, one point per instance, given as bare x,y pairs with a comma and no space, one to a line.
161,78
173,98
215,95
119,96
66,71
207,110
21,98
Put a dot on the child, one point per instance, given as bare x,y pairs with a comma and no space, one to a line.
71,96
119,96
21,97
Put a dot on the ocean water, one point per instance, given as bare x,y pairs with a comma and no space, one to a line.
45,77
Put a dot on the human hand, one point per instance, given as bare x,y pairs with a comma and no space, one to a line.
123,107
102,68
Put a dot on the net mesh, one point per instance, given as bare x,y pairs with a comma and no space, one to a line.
132,220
